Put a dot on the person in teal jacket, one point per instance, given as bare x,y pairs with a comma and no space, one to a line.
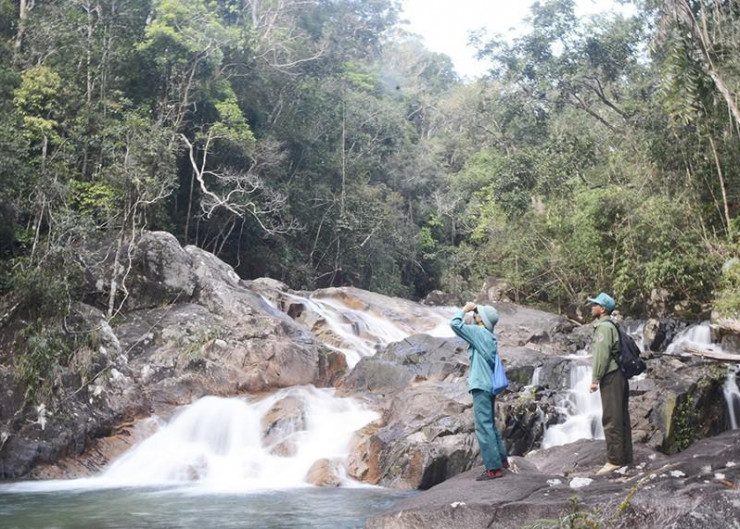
482,351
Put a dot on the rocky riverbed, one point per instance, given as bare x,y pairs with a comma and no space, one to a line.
190,328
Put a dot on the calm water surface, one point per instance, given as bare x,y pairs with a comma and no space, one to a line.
342,508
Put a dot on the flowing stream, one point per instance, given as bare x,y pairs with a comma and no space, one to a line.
210,463
583,411
581,407
166,508
732,396
361,333
228,462
699,336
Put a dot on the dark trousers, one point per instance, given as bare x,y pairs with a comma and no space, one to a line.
615,418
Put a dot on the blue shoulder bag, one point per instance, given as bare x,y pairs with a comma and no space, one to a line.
498,377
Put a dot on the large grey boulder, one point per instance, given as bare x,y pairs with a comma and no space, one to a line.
161,272
189,328
416,358
424,437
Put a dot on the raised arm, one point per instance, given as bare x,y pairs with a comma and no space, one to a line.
466,332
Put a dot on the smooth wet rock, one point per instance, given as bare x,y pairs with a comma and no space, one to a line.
285,417
693,490
332,368
418,357
425,436
325,473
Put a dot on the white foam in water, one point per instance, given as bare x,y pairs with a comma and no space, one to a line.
639,336
215,445
442,317
732,396
699,335
362,332
583,409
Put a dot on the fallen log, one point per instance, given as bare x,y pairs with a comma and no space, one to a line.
711,355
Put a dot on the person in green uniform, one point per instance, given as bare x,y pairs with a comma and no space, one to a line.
482,351
614,387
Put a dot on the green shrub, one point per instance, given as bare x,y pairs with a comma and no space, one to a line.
727,301
608,238
44,350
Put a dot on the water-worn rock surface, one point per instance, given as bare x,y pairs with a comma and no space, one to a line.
697,489
190,327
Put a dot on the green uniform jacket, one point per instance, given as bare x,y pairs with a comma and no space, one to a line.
482,352
604,348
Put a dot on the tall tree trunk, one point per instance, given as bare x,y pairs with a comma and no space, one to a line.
25,7
44,152
722,186
117,257
114,272
190,206
344,161
88,94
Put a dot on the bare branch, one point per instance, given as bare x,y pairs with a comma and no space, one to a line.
243,192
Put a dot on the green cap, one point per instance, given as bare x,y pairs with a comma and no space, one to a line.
489,315
605,300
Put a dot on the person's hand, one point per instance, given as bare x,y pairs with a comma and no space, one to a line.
594,387
469,306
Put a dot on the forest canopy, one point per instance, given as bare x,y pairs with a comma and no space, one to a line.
318,143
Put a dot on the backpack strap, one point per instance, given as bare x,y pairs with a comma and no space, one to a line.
619,339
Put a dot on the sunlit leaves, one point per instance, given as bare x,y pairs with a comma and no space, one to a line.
38,99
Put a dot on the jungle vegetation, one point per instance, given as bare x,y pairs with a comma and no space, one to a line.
319,143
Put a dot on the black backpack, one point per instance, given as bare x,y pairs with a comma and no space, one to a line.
628,360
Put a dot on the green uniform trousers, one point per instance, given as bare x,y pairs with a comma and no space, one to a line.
615,418
492,448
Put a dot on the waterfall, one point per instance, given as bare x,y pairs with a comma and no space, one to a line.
583,409
360,333
218,442
732,396
218,445
699,335
536,374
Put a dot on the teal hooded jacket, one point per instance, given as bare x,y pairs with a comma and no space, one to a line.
482,352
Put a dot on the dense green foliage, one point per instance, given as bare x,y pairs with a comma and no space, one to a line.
316,143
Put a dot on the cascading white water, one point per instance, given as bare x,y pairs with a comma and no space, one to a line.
216,444
583,409
536,376
699,335
362,332
732,396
